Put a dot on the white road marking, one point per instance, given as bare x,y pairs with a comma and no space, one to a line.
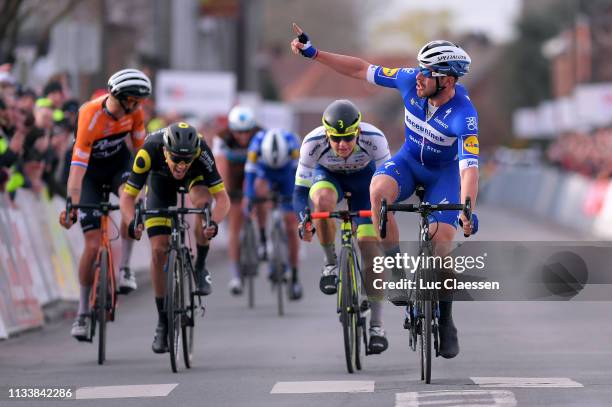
563,382
113,392
332,386
463,398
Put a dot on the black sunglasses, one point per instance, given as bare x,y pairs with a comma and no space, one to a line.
338,139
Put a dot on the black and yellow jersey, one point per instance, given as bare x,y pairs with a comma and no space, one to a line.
150,159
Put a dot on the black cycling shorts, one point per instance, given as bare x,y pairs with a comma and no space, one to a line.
162,193
112,171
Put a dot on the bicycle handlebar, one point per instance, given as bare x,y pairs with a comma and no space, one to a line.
104,207
139,212
421,208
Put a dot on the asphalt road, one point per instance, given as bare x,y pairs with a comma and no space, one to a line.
512,353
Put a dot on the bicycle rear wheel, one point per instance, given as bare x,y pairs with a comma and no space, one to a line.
347,310
173,298
188,318
102,304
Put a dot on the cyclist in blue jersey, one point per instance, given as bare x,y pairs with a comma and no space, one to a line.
272,159
441,147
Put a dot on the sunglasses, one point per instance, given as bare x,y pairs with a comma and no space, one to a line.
180,159
428,73
347,138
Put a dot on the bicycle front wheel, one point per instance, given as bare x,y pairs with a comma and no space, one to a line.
173,299
348,316
188,318
102,304
278,263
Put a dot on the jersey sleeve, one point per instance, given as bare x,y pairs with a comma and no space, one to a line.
253,153
84,136
138,133
308,157
218,146
210,173
398,78
140,169
466,128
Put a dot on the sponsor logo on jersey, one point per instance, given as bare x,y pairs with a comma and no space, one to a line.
471,145
441,123
471,123
389,72
447,113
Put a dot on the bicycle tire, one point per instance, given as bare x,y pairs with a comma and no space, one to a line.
427,319
278,265
249,261
360,325
347,314
188,317
102,301
172,304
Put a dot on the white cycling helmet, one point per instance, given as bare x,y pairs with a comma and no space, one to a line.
275,149
129,82
241,118
444,57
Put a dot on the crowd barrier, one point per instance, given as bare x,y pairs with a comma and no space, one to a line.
38,259
567,199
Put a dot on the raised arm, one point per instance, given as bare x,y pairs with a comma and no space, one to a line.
344,64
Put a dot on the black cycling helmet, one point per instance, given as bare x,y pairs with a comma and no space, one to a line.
341,117
182,140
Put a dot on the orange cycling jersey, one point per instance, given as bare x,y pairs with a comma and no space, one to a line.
101,135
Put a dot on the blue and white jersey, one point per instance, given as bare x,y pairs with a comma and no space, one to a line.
372,146
450,134
256,167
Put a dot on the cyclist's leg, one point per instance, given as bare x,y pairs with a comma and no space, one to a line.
285,185
262,190
159,195
90,224
393,181
127,280
445,186
325,193
199,195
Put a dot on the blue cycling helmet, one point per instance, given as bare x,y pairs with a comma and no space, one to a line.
444,57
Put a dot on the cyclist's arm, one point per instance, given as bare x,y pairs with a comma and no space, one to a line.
137,179
80,154
250,168
139,132
344,64
75,182
222,205
469,184
219,152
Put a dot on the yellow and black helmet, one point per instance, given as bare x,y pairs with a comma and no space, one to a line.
341,118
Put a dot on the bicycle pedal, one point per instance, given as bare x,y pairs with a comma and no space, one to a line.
365,305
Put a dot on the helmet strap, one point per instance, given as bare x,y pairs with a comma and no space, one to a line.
439,88
126,110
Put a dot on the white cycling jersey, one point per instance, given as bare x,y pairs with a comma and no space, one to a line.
315,150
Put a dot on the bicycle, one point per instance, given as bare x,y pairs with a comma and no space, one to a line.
180,279
248,261
422,306
351,304
279,259
103,296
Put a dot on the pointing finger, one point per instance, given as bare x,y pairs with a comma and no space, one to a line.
297,29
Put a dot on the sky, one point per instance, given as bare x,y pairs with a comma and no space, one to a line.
494,17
